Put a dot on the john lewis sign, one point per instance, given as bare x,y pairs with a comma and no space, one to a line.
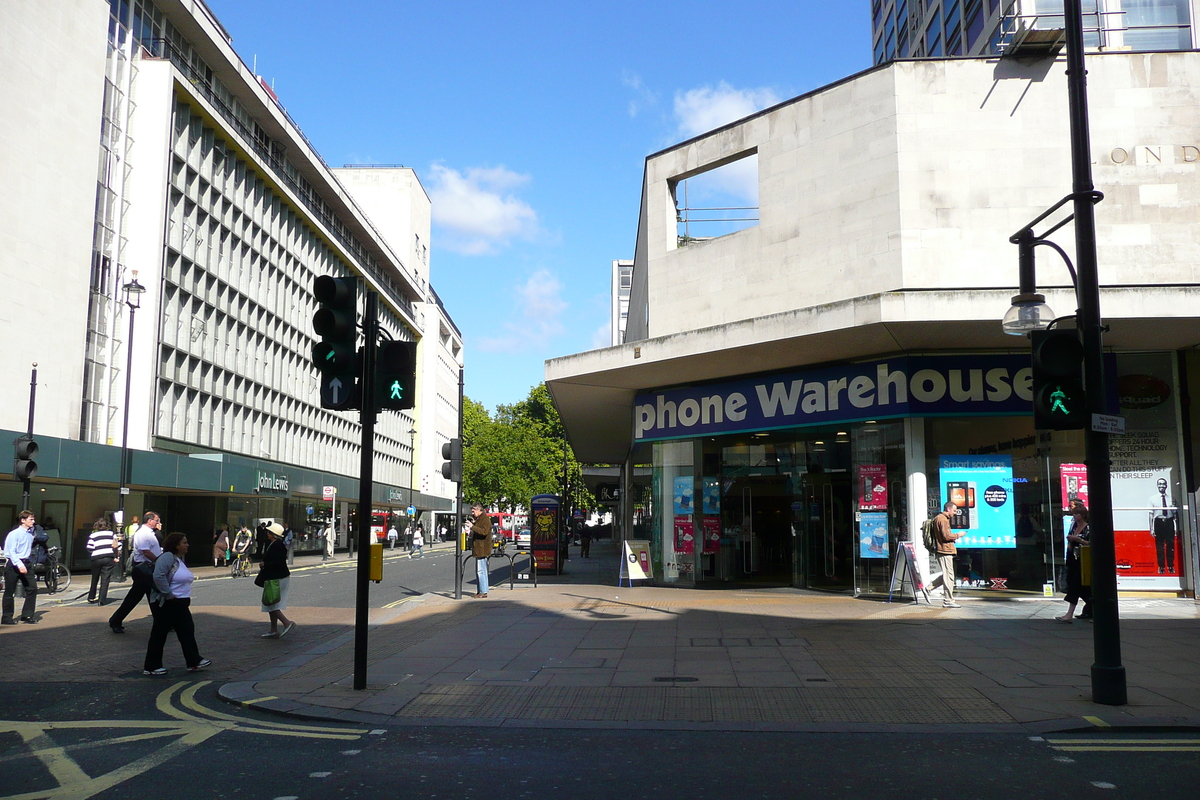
900,387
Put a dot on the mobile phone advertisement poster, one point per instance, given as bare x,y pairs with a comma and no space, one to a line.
981,488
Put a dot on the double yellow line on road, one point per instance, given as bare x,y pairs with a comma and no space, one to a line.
1127,745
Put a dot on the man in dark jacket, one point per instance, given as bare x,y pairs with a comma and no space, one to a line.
946,551
481,546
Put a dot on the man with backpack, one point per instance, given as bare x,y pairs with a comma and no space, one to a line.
946,550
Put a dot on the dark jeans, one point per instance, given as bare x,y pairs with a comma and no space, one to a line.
1076,591
102,570
11,576
142,584
1164,544
172,615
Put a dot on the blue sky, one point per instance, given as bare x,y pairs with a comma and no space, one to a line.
529,123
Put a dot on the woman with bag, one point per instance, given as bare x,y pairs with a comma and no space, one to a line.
1077,538
273,577
221,547
173,593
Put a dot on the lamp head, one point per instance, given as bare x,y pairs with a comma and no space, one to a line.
1028,312
133,292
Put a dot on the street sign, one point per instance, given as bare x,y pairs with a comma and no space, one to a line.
328,492
1107,423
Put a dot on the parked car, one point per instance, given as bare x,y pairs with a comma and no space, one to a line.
523,537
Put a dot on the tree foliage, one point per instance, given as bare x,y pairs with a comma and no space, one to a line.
517,453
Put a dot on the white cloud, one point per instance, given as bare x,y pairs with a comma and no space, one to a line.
478,212
704,109
701,110
537,317
602,336
644,97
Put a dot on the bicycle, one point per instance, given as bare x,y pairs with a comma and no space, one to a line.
239,566
55,576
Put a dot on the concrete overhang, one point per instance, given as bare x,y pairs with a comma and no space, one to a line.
594,391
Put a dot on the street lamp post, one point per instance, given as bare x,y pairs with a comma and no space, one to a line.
1029,312
133,300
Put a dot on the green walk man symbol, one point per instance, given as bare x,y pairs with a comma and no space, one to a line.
397,391
1056,405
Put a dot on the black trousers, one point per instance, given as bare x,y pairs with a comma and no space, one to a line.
11,576
102,570
142,584
1164,543
172,615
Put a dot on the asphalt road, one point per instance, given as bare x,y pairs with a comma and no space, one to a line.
65,733
177,739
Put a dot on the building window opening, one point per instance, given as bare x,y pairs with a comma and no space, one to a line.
717,202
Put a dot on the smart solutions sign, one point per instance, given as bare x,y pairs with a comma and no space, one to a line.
908,386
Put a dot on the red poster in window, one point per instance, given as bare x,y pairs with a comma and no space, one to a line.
712,534
685,540
872,487
1074,484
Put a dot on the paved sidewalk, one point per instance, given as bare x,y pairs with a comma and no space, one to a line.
580,652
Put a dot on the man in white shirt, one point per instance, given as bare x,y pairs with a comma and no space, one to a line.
1162,527
18,547
146,550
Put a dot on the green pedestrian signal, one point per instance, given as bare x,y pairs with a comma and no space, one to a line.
1059,399
395,375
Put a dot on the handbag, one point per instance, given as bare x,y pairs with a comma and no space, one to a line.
260,579
270,593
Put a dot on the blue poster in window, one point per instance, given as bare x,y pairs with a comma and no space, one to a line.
981,489
683,495
711,502
873,534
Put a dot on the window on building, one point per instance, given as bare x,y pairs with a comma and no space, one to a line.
1157,24
933,35
718,201
954,30
974,24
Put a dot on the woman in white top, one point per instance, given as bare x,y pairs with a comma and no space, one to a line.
418,543
171,601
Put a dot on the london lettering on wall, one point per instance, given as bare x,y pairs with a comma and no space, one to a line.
899,387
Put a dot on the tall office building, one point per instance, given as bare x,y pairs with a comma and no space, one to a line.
622,282
163,221
937,28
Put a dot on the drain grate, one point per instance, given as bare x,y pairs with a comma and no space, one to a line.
676,679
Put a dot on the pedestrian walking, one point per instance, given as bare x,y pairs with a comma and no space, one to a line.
171,595
408,538
221,546
1077,538
585,542
418,543
393,535
18,549
481,547
127,545
146,551
946,551
104,547
273,578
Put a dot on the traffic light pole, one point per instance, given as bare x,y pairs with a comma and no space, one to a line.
29,432
458,501
365,485
1108,673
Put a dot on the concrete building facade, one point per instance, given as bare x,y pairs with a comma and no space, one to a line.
809,389
144,148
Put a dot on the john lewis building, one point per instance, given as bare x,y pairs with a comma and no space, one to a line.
137,142
809,388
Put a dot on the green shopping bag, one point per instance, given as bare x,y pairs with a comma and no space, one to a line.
270,595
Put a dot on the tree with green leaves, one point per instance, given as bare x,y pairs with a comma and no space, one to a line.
517,453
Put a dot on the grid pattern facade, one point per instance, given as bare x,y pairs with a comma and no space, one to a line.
233,370
937,28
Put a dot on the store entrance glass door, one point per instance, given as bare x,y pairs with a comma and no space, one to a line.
757,512
825,519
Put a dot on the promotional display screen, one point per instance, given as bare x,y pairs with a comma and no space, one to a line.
544,510
981,488
873,535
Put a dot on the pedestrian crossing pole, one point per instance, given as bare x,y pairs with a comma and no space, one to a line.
365,485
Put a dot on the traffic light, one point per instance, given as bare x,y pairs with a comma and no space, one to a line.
1059,399
395,375
25,450
453,452
335,355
